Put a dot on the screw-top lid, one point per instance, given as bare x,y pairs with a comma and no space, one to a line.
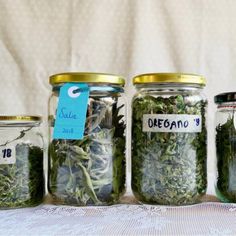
20,118
169,78
225,97
85,77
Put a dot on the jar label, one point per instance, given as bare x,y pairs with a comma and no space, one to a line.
7,155
71,111
172,123
234,121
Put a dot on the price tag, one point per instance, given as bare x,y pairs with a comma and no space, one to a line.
71,111
7,155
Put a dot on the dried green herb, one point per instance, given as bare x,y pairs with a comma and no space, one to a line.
91,171
226,160
168,168
22,183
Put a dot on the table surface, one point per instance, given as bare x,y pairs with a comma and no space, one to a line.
129,218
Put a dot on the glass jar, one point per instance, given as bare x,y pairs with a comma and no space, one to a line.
90,170
21,162
226,146
169,139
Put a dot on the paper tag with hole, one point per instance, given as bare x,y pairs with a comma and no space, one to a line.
71,111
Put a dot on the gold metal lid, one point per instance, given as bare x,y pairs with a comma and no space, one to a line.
85,77
23,118
169,78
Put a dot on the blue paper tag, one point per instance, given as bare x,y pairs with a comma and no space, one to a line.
71,111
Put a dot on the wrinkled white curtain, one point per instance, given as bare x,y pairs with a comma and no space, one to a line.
127,37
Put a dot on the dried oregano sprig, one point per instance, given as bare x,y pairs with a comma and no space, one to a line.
168,168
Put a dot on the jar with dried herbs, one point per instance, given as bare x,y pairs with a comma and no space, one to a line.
226,146
21,162
169,139
87,139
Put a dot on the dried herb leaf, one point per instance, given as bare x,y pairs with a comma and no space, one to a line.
91,171
22,183
226,160
168,168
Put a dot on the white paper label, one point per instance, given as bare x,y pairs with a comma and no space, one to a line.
7,155
172,123
234,121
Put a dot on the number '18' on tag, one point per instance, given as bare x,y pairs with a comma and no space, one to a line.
71,111
7,155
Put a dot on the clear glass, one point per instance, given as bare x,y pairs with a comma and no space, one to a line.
90,171
168,168
226,152
21,165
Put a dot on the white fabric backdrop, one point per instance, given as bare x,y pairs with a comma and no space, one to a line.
127,37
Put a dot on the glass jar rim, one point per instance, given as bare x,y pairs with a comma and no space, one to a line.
86,77
169,78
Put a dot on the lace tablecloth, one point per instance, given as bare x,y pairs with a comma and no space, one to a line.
209,218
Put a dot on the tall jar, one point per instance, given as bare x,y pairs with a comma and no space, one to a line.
89,170
21,162
226,146
169,139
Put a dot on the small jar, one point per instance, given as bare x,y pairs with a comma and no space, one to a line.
90,170
21,162
169,139
226,146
